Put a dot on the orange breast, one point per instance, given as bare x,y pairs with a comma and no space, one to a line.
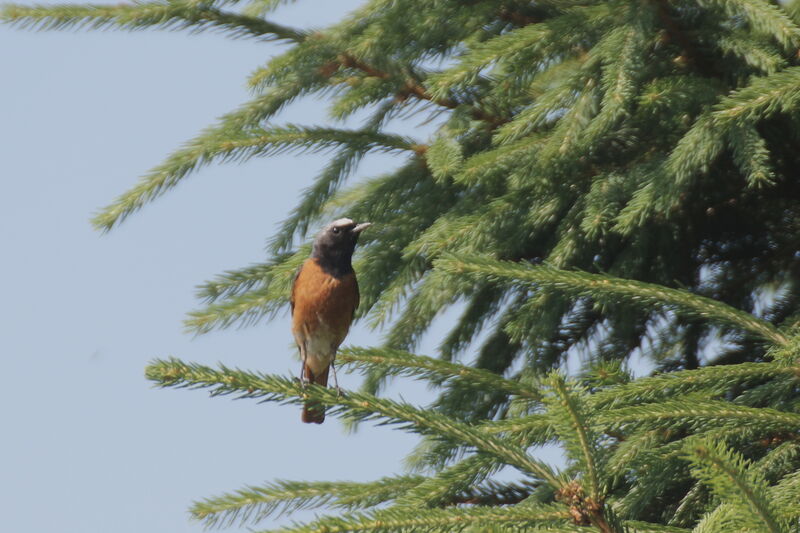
322,303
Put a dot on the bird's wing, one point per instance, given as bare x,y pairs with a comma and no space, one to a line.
357,301
294,287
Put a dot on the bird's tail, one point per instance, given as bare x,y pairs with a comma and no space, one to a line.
314,412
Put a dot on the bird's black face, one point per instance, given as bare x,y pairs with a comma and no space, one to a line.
335,244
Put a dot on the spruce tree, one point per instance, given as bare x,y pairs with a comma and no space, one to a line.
609,179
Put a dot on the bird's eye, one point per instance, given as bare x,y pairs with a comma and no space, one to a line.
335,230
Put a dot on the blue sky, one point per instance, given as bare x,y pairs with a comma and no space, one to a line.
87,444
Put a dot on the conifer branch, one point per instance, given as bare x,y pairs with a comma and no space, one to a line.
470,64
624,53
697,412
752,156
493,494
449,482
245,310
225,381
537,428
234,282
754,52
765,18
169,15
631,448
785,495
636,526
453,519
713,380
606,288
762,98
245,303
400,363
226,144
257,8
266,105
570,128
498,162
697,150
411,87
533,42
251,505
702,144
716,520
732,480
788,355
585,500
576,431
525,431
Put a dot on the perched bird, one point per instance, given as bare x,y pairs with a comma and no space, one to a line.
324,299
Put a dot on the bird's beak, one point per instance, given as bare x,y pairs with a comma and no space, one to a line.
361,227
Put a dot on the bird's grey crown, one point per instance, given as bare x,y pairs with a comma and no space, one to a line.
341,223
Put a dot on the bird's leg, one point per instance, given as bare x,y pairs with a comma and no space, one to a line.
304,356
335,379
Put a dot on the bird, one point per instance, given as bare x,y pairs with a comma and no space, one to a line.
323,301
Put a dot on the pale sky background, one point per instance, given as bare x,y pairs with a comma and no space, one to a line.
87,445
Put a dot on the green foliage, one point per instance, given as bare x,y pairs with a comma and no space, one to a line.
225,144
616,455
398,363
253,504
606,288
608,181
170,15
729,476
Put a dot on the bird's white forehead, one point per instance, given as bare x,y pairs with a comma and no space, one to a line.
341,222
